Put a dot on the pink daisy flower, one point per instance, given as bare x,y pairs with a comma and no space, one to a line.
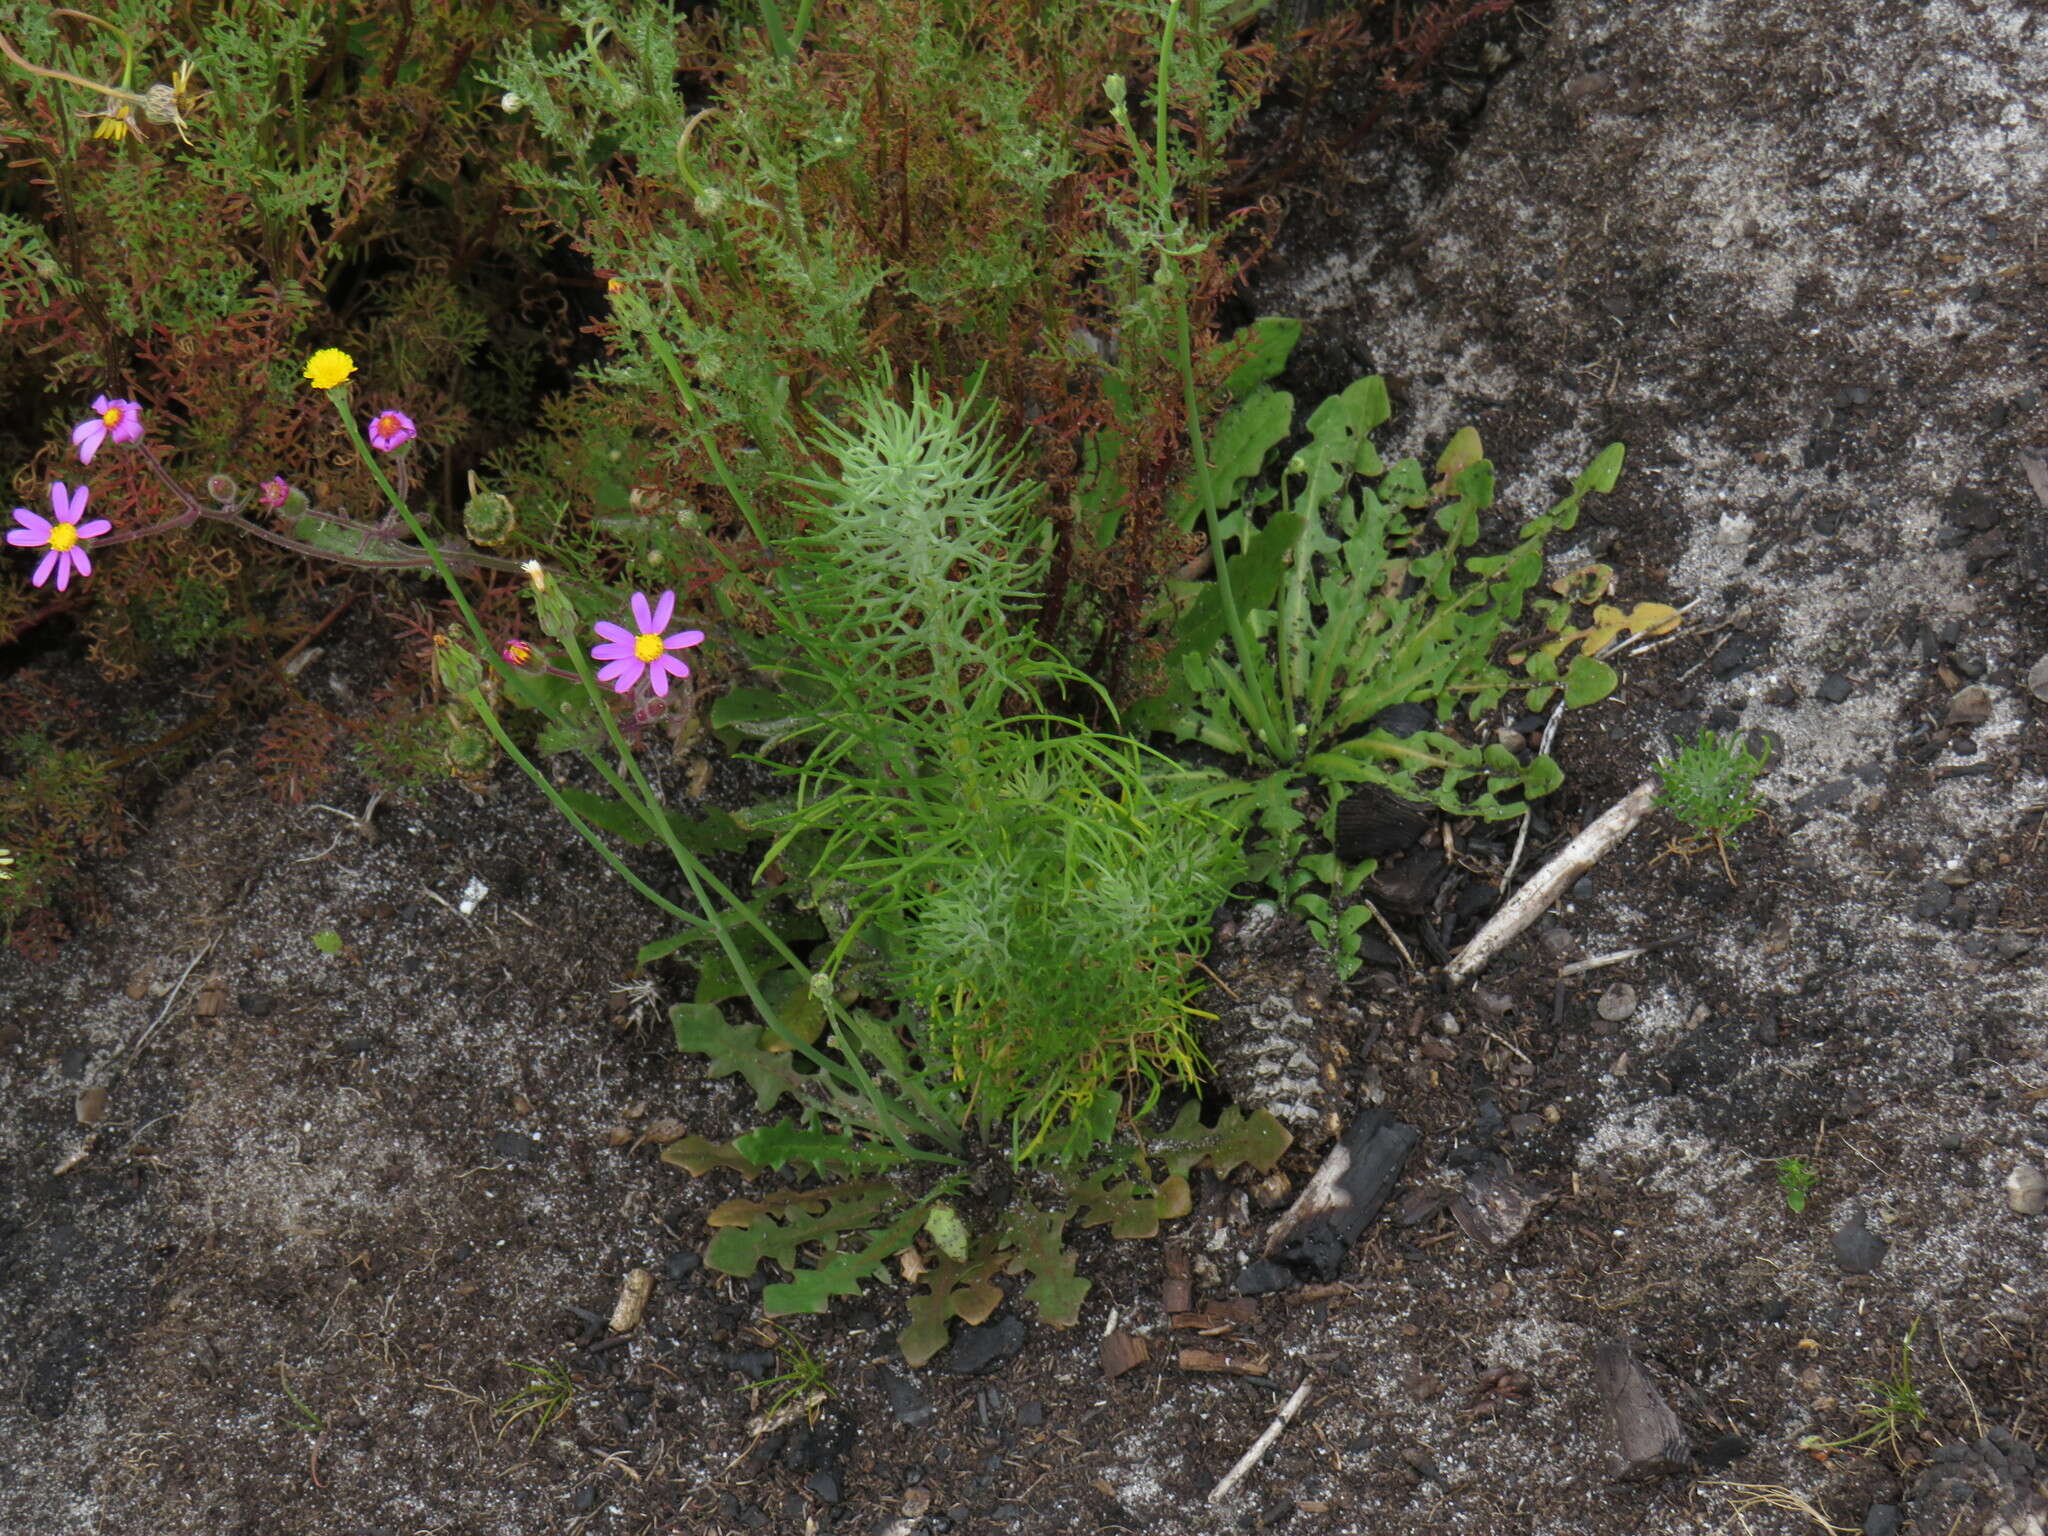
273,493
644,650
64,538
391,429
119,419
517,652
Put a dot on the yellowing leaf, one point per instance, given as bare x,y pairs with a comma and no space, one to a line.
1459,455
1610,624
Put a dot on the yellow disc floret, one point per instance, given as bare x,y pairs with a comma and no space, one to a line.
648,647
63,536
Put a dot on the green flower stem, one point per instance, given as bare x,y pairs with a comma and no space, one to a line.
673,367
886,1113
646,804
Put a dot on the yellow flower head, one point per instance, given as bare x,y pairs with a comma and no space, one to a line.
329,368
114,123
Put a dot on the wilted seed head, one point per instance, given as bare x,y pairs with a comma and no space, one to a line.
709,203
160,103
222,488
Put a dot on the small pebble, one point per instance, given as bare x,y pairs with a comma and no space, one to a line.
2037,679
2026,1190
1617,1003
1858,1250
1882,1520
1834,688
1970,706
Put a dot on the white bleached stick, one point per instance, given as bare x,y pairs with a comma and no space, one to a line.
1229,1481
1549,882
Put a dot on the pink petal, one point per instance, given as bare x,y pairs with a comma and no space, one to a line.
95,528
618,667
643,616
49,564
88,437
34,530
102,403
130,426
80,560
671,665
664,610
615,650
658,676
683,639
630,673
69,504
617,634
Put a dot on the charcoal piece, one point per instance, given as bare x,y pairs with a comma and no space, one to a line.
1647,1439
1404,719
1371,825
1340,1202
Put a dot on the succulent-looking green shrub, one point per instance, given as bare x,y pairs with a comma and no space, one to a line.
1709,785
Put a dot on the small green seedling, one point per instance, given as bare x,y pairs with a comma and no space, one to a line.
1895,1407
303,1414
327,941
802,1378
548,1392
1710,789
1796,1178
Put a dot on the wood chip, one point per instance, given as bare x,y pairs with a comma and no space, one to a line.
2037,475
212,998
92,1105
633,1294
1121,1352
1177,1290
1646,1436
1214,1362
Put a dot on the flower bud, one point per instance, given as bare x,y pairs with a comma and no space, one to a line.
222,488
709,203
557,615
489,518
1113,88
511,102
459,670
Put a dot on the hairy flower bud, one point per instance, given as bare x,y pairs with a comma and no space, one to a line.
160,103
222,488
489,518
459,670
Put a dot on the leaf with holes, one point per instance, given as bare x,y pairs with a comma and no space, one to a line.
729,1048
776,1225
1236,1139
1131,1209
1055,1289
841,1274
965,1291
